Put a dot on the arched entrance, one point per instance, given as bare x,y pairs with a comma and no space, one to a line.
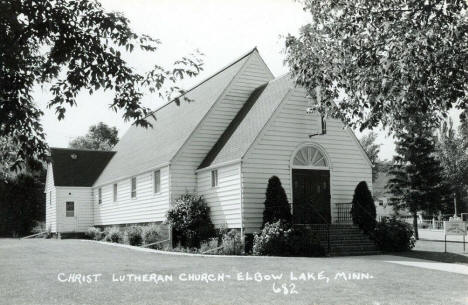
311,186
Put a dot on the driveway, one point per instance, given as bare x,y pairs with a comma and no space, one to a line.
84,272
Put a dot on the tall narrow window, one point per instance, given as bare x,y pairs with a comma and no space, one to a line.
157,181
100,195
214,178
115,192
50,197
70,209
134,186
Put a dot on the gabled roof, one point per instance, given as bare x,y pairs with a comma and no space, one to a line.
249,122
142,149
76,167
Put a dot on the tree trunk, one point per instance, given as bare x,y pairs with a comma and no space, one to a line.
415,225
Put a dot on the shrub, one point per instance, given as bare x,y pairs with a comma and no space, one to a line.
39,227
210,244
393,235
363,208
272,239
94,233
114,235
302,241
276,202
133,235
232,243
152,234
281,239
190,220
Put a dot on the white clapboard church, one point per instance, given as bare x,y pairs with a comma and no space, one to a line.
242,126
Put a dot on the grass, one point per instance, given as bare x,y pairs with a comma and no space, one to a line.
434,250
29,270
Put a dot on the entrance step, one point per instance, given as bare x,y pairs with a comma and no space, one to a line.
345,239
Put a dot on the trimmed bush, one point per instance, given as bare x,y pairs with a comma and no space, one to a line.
133,235
94,233
363,208
114,235
152,234
232,243
190,221
272,239
276,202
393,235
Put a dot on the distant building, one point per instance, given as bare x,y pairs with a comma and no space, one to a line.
382,196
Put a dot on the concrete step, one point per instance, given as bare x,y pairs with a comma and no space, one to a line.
346,240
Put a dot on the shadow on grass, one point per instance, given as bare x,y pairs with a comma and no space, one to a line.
436,256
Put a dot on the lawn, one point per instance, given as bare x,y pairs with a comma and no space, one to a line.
32,272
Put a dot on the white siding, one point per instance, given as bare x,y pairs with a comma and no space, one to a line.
82,198
146,207
252,75
224,200
50,206
287,130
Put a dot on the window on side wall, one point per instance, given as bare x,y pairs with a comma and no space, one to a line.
214,178
50,197
133,187
157,181
100,195
70,209
115,192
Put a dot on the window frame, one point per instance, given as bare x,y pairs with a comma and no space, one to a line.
100,195
133,188
157,186
114,192
67,210
214,178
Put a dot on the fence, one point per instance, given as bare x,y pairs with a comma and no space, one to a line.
344,212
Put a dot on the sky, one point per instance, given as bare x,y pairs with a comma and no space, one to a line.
222,30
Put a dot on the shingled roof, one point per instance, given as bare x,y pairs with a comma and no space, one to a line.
142,149
76,167
248,123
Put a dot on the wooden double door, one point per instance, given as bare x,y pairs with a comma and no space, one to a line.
311,196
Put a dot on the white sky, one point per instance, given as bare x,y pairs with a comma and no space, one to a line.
222,29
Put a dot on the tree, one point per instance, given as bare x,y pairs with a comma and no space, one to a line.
363,208
73,45
22,201
416,173
367,62
453,157
99,137
276,203
372,150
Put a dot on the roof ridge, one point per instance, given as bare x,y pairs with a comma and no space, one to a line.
81,149
204,81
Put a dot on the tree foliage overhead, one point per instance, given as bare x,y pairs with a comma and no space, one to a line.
373,59
73,45
99,137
